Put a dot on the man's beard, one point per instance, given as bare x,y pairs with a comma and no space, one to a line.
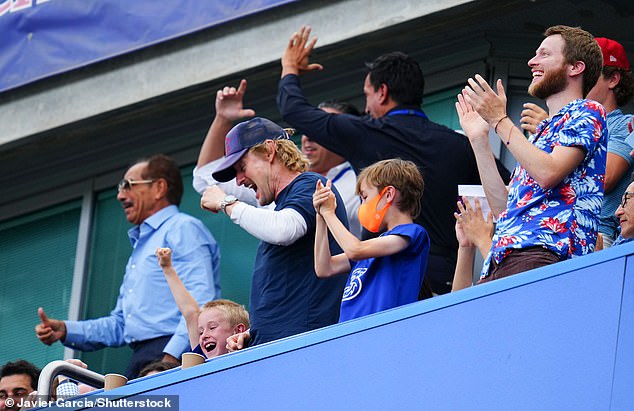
552,83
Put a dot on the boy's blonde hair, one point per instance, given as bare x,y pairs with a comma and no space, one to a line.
402,175
287,152
234,312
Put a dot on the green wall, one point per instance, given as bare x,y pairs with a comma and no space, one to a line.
440,107
37,257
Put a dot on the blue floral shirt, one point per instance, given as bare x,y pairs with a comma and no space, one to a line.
565,218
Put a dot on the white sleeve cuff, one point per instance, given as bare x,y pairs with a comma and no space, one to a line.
282,227
202,176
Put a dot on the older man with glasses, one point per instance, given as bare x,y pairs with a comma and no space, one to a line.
625,214
146,316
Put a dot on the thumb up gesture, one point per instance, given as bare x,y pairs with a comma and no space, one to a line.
49,330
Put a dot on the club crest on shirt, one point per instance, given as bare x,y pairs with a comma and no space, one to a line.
355,283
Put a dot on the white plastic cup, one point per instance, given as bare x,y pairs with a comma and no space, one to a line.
113,381
191,359
470,192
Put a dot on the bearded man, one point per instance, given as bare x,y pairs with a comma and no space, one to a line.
550,210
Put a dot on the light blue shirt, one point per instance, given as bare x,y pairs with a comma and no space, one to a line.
145,308
620,240
618,131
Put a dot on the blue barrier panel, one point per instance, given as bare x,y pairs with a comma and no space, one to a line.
545,339
623,393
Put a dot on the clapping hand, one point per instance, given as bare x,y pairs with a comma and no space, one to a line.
324,199
474,126
471,226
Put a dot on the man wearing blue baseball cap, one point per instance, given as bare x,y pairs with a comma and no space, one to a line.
287,298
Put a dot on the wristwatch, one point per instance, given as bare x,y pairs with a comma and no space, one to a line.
228,200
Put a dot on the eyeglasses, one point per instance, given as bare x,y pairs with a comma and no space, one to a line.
626,196
126,184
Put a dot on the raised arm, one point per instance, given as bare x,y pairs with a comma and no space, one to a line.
353,248
336,132
196,259
229,109
326,265
472,231
463,275
477,130
296,56
186,302
547,169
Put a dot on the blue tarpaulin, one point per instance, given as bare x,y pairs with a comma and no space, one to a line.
41,38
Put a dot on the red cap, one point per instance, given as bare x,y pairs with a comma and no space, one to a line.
613,53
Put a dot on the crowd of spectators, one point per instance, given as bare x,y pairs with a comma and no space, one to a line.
334,247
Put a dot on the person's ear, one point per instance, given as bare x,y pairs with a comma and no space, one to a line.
239,328
384,93
577,68
160,188
614,79
390,194
270,150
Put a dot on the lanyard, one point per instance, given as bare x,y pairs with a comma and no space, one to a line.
341,173
409,112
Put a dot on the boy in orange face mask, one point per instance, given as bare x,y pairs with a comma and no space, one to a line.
387,271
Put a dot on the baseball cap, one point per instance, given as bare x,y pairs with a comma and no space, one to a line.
613,53
242,137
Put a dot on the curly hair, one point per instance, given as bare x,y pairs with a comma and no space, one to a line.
624,91
287,152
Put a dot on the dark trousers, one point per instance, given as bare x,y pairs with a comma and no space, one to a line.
521,260
439,275
145,352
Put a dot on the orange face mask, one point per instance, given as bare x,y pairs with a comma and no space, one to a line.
371,218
